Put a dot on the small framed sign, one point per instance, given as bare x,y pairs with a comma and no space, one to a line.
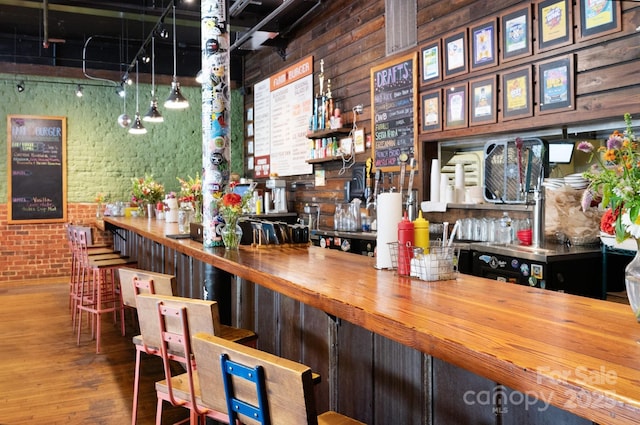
555,24
598,17
515,26
455,99
516,94
555,91
431,62
455,54
484,44
431,111
483,101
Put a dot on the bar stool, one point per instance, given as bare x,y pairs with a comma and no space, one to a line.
97,291
134,282
288,385
72,236
168,323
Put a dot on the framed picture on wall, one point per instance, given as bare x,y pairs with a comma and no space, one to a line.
455,54
515,29
431,111
598,18
516,96
483,101
555,88
431,62
455,100
484,44
555,24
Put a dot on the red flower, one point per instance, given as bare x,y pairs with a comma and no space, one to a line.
608,221
231,200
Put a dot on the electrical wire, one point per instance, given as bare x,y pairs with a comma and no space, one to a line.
349,158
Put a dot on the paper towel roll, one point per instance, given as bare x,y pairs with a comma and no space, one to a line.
435,180
389,214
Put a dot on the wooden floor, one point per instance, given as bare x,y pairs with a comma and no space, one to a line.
45,378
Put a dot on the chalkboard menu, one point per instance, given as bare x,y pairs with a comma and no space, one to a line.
37,169
394,99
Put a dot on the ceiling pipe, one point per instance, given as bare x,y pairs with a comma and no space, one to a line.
259,25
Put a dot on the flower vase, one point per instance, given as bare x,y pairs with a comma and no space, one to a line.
231,234
150,208
99,211
197,212
632,282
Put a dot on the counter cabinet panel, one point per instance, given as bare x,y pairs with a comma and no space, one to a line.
511,335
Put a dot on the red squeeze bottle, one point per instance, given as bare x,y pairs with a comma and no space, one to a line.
405,245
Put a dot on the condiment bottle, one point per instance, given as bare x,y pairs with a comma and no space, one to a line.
405,245
421,232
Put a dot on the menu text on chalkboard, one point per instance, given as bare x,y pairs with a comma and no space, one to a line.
37,169
393,100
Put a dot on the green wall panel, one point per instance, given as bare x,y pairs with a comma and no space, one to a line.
101,155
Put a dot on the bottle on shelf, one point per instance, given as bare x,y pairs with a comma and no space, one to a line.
505,234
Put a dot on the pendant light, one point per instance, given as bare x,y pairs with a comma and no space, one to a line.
153,115
175,100
136,126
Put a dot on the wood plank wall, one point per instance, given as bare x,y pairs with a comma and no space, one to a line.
350,37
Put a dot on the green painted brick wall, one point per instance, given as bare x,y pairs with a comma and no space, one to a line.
101,155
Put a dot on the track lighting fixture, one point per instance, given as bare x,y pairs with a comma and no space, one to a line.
20,86
161,31
120,90
175,100
79,90
144,57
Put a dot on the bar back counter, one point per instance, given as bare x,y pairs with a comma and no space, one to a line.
395,350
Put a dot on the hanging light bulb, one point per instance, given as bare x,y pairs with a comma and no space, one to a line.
136,126
153,115
175,100
124,120
79,90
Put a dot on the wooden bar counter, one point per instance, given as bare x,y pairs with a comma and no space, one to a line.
579,354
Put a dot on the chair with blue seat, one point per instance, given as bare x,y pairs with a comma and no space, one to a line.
279,391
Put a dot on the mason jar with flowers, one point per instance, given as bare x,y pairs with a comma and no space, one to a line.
191,192
230,206
146,191
615,179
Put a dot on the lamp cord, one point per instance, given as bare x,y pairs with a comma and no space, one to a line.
153,67
137,89
175,70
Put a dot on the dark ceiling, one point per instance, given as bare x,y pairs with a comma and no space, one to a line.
110,34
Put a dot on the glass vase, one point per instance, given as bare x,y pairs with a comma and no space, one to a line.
231,234
632,282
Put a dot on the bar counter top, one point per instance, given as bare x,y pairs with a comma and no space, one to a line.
579,354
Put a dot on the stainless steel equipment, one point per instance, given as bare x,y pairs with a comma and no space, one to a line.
279,190
512,169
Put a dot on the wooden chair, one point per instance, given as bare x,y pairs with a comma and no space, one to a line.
167,323
288,385
97,291
134,282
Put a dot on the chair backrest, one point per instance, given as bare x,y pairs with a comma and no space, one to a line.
289,385
202,316
136,281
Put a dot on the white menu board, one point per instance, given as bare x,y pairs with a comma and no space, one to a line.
282,120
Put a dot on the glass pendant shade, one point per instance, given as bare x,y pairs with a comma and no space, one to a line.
136,126
176,100
153,115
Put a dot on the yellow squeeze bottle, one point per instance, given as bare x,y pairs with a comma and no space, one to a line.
421,232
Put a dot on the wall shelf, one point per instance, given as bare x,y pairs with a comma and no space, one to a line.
328,132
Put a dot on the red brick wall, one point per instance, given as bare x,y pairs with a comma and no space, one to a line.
37,251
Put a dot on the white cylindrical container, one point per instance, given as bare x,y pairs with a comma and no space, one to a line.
435,180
